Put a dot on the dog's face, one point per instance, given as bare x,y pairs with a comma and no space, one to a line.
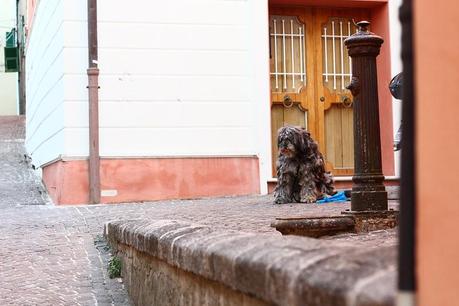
290,141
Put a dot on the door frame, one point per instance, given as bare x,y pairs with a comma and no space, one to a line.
380,25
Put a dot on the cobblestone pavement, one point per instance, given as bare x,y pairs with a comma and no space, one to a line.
48,256
19,185
52,255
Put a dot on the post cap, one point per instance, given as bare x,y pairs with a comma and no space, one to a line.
363,26
362,38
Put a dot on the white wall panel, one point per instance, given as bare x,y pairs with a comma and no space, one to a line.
192,12
176,68
76,10
173,36
126,87
50,125
50,101
76,33
175,114
75,87
42,153
45,91
175,141
173,62
76,115
75,27
76,141
75,60
159,140
47,94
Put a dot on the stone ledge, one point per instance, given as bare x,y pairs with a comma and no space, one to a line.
280,270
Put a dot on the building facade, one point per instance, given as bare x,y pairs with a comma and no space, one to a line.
192,92
8,79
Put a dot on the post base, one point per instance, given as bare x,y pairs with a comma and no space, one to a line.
347,222
314,226
367,221
369,200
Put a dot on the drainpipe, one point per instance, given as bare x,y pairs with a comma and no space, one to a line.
93,92
21,58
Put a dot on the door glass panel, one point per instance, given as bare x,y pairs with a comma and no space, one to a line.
336,63
287,52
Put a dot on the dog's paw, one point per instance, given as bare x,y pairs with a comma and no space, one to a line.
308,199
281,200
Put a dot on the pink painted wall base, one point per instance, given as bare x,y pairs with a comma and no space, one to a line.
135,180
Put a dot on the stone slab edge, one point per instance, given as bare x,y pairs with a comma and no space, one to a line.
282,270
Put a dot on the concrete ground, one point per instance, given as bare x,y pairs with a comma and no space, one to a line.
54,255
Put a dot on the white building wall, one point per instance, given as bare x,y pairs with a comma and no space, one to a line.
8,80
396,67
45,84
261,91
75,78
178,78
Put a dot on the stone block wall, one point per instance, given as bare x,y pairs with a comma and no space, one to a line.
151,281
169,262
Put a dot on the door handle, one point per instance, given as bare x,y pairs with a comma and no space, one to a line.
287,101
346,101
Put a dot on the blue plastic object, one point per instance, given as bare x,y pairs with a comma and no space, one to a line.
337,197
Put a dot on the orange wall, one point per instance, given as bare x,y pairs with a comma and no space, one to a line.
154,179
380,26
436,47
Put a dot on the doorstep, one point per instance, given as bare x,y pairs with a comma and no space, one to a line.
392,184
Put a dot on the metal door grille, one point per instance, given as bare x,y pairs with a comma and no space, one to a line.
337,64
287,41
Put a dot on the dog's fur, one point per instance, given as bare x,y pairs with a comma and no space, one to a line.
301,175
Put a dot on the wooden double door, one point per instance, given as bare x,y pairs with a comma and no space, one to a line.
310,68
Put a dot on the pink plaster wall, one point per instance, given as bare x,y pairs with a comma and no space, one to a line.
154,179
380,26
436,51
333,3
31,7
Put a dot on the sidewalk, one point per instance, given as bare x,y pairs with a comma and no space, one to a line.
48,255
56,255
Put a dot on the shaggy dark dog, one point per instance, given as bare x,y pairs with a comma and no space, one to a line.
301,175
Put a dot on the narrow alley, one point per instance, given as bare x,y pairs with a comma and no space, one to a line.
56,255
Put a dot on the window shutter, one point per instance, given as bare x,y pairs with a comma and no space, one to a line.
11,59
11,39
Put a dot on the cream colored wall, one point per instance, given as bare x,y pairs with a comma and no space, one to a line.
8,92
8,81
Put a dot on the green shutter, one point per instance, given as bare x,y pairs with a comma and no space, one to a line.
11,59
11,39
